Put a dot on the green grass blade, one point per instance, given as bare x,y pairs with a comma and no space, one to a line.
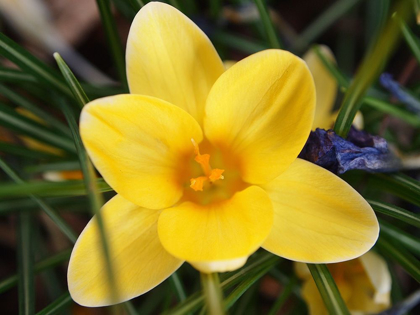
26,265
376,17
398,184
323,22
58,306
18,150
177,285
270,31
15,76
55,166
406,260
49,189
196,300
380,105
21,124
215,8
245,285
21,101
412,40
369,71
285,294
61,224
328,289
27,62
130,309
237,42
40,266
342,81
391,109
401,237
111,32
94,195
395,212
72,82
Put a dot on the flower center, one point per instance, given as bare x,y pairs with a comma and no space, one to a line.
210,175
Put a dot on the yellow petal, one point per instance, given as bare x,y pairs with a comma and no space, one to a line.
219,265
362,298
313,299
318,218
169,57
378,274
302,270
139,261
326,87
229,63
226,230
136,143
261,110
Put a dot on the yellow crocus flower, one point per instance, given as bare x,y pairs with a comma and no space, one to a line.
364,284
204,163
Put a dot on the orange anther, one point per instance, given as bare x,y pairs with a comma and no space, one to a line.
210,174
216,174
197,183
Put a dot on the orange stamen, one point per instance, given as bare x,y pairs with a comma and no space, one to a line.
211,175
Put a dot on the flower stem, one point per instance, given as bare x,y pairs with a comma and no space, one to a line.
213,293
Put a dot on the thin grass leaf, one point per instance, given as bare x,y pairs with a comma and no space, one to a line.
215,8
58,306
323,22
40,266
328,289
245,285
369,71
27,62
18,150
21,101
23,125
17,205
111,32
395,212
130,309
177,285
283,297
49,189
401,237
342,81
376,17
196,300
398,184
51,213
136,4
380,105
270,31
26,279
95,198
55,166
238,42
125,8
391,109
412,40
175,4
406,260
72,82
15,76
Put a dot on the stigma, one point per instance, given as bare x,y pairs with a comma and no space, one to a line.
210,175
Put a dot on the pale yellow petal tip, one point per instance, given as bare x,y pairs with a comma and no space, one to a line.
220,265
